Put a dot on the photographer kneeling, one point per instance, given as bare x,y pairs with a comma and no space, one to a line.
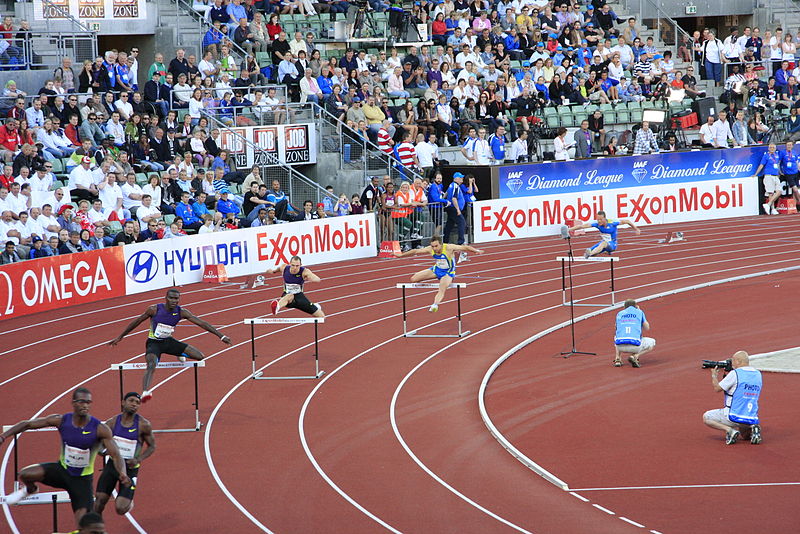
631,321
742,387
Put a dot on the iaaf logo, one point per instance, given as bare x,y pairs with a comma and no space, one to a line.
639,171
280,247
514,181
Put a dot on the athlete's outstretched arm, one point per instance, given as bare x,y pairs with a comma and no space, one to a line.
580,226
308,276
629,223
278,268
104,433
192,318
467,248
412,252
31,424
149,312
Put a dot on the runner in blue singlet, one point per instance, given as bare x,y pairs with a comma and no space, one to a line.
443,270
163,318
608,233
81,438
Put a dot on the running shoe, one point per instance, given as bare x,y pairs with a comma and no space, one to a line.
755,434
274,306
434,308
617,363
17,496
634,361
587,253
463,257
182,359
766,208
774,211
146,396
731,437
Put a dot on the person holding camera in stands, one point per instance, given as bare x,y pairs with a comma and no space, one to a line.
742,388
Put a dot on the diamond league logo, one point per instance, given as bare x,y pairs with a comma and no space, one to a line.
639,171
142,267
514,183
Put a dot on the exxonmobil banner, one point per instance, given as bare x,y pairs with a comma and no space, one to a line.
59,281
533,216
182,260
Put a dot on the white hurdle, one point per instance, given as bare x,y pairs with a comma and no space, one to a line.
194,364
42,497
611,260
427,285
259,375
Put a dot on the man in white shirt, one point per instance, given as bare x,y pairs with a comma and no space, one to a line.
131,193
147,212
481,149
58,199
519,148
100,173
34,223
208,67
625,52
707,132
17,201
48,222
9,229
124,107
97,215
427,153
81,180
35,115
742,41
111,195
42,179
115,129
722,131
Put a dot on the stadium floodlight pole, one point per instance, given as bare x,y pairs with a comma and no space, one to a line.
565,235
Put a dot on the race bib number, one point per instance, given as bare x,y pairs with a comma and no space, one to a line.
75,457
606,237
389,202
442,263
163,331
293,288
127,447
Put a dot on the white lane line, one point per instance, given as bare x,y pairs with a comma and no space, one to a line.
692,486
603,509
581,497
632,522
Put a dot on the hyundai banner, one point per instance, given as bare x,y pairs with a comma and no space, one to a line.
627,171
180,261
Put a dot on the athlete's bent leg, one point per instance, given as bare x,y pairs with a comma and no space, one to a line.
319,312
421,276
193,353
100,501
123,505
444,283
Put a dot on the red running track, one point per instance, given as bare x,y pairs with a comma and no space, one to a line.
391,439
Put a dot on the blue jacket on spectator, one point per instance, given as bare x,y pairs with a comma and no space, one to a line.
212,36
185,212
325,85
435,195
455,196
219,162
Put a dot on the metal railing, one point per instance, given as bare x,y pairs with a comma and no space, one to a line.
298,186
182,6
667,29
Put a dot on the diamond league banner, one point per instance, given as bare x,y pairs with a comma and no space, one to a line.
627,171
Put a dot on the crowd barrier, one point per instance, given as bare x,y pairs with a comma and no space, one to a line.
60,281
536,199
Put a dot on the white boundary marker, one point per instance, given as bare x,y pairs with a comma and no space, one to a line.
611,260
259,374
423,285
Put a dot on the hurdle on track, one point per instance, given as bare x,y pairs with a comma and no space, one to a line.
42,497
605,259
195,364
259,375
423,285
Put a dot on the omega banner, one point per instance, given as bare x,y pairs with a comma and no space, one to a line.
90,9
536,199
290,144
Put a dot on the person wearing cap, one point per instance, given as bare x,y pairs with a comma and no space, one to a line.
37,250
133,435
225,205
81,180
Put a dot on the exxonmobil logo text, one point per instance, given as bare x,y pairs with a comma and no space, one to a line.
280,242
507,222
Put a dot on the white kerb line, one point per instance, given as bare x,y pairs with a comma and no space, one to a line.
162,365
457,285
284,320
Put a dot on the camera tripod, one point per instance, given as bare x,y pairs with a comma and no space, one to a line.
364,18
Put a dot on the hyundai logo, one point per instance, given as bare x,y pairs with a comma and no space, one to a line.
142,267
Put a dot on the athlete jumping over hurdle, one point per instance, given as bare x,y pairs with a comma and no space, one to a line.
130,431
294,276
163,318
445,268
608,233
81,438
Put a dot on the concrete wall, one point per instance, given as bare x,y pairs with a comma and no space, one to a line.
708,8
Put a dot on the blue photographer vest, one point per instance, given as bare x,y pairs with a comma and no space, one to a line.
744,400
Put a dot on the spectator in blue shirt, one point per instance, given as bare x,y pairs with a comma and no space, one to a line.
212,39
280,201
185,211
235,12
199,205
455,213
497,142
225,205
437,202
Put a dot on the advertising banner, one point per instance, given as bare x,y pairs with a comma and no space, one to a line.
59,281
628,172
290,144
181,261
90,9
532,216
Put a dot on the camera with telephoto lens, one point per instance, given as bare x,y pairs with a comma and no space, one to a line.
725,365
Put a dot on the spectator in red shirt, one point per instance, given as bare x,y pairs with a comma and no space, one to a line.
71,131
10,139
